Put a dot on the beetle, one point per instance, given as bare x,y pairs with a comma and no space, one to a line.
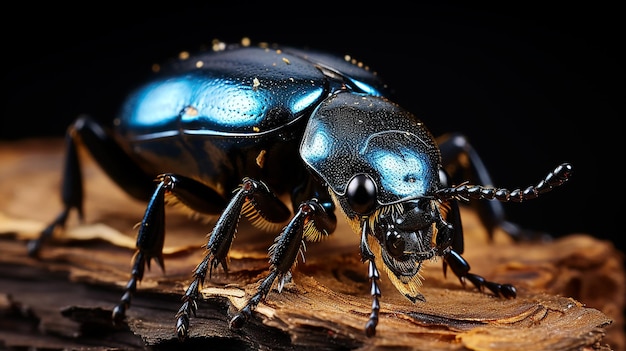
272,122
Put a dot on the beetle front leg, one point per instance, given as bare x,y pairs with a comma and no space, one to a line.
450,247
461,269
311,222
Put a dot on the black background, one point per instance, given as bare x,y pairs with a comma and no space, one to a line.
531,86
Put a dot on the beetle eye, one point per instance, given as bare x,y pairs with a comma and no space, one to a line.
395,244
361,194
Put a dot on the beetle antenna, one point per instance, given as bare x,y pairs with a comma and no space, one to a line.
465,191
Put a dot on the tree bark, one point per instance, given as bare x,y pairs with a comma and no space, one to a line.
571,290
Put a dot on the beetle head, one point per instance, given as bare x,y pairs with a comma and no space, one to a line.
382,166
400,235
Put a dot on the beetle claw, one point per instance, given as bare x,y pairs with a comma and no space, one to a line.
238,321
119,313
33,248
182,327
370,327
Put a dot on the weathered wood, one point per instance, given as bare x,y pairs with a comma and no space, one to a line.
570,291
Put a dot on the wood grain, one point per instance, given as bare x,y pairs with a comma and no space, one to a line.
571,290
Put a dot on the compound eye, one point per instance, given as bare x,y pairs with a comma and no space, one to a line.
361,194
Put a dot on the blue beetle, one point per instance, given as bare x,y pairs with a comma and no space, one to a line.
270,121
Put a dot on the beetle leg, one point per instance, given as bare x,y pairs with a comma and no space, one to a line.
461,269
150,239
450,246
260,202
111,158
71,196
450,230
374,277
310,222
151,233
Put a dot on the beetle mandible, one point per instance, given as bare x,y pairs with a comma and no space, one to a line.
269,121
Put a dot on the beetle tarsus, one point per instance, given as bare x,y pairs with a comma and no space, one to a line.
190,305
507,291
372,322
374,276
461,269
182,317
370,326
139,263
182,327
119,313
239,320
34,246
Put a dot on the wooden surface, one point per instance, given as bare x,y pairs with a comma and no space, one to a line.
571,291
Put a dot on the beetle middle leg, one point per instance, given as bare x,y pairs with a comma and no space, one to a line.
311,221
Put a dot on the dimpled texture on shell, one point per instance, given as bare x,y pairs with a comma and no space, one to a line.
355,133
249,90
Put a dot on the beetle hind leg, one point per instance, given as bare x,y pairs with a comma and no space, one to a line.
71,195
111,158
